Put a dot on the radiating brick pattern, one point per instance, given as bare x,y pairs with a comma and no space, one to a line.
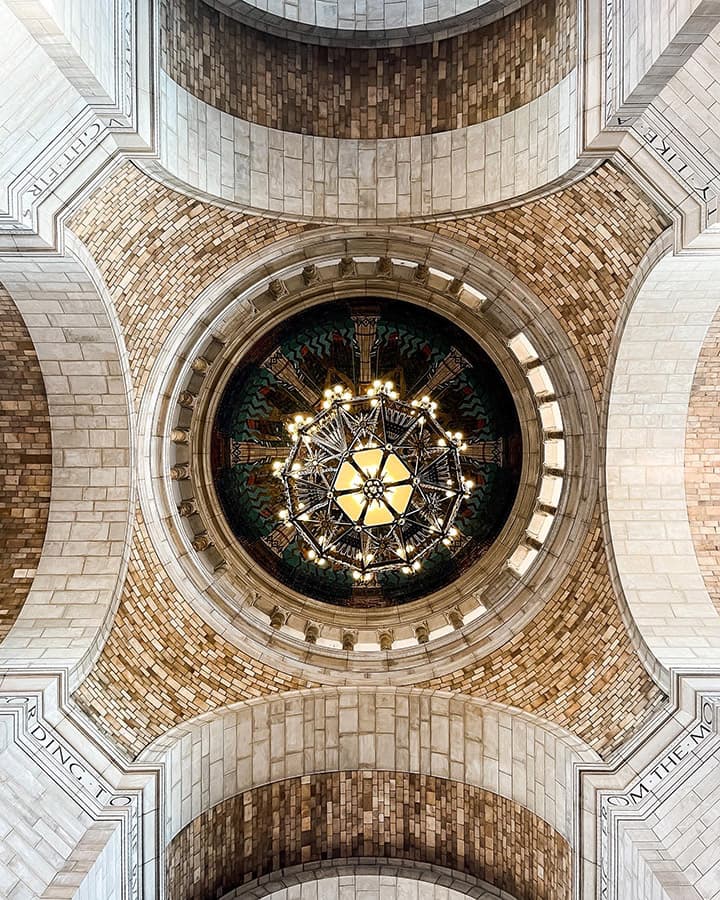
25,462
354,814
158,249
342,92
163,664
576,249
702,461
573,664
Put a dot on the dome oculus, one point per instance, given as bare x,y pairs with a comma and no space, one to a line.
338,456
373,483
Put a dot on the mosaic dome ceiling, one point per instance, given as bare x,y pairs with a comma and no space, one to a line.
366,453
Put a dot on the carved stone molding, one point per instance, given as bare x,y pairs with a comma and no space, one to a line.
81,763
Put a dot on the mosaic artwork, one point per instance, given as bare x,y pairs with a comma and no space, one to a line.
366,453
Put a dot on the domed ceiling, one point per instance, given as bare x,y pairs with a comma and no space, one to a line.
366,453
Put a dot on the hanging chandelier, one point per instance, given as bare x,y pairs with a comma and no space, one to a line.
372,483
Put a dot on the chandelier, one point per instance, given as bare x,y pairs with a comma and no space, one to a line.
372,483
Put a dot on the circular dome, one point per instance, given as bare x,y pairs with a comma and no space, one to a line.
365,453
498,328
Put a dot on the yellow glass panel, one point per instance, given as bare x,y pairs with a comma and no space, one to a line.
399,497
347,478
395,470
378,514
369,461
352,505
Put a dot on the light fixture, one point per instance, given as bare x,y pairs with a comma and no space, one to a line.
373,483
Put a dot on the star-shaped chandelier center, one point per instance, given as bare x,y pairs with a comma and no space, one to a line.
372,482
373,487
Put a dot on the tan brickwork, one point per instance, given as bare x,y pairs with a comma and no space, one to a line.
162,664
158,249
342,815
573,664
702,461
25,462
341,92
576,249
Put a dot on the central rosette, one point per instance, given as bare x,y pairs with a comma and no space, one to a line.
372,482
373,486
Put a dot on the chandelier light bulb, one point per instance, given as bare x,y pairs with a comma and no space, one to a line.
372,486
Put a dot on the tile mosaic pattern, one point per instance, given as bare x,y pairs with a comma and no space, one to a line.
158,249
25,462
365,93
354,814
702,461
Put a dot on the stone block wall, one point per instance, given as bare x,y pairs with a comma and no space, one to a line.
340,92
702,461
647,445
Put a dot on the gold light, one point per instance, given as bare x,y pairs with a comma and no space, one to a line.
372,483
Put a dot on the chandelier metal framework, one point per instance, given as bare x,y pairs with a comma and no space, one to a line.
372,482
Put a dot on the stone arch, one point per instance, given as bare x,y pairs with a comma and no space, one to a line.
337,167
383,25
376,879
69,608
25,462
510,757
651,539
